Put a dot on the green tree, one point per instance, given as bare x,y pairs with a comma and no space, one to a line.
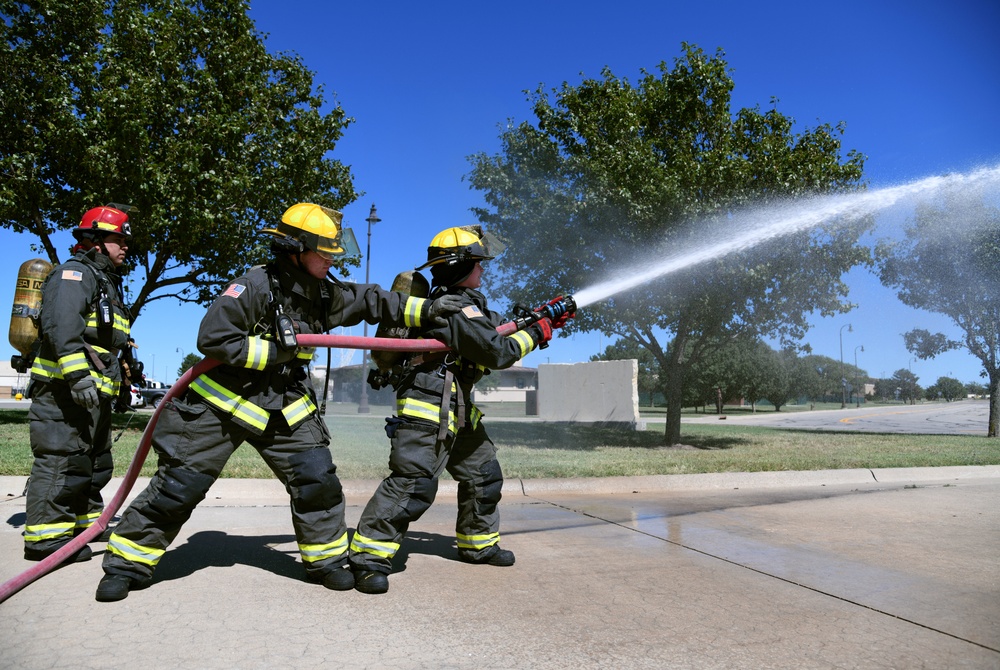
906,386
949,262
190,360
172,106
946,388
613,169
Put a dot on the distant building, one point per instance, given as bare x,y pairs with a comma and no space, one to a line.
11,383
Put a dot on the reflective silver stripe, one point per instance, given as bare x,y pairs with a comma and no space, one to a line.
299,410
73,363
412,311
258,351
419,409
131,551
86,520
44,368
365,545
47,531
319,552
525,341
120,323
476,541
242,410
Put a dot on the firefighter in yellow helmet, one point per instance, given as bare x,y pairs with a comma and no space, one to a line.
437,428
260,394
75,379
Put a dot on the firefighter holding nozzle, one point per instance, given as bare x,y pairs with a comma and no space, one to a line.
76,377
260,394
437,427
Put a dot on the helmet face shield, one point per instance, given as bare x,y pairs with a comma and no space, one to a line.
461,244
315,228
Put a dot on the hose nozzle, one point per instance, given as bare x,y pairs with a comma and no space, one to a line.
557,308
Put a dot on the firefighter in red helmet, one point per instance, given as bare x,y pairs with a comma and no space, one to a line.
260,394
75,378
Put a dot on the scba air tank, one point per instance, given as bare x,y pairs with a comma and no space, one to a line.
27,303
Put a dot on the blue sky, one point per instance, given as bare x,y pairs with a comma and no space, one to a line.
918,85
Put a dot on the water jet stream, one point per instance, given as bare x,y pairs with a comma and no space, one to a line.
769,223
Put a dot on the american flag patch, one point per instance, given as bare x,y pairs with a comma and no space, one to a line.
235,290
72,275
471,312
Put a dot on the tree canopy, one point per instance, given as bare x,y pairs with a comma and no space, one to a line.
611,170
174,107
949,262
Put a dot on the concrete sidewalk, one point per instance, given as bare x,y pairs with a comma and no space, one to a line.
835,569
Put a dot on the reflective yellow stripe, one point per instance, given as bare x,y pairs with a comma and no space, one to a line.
319,552
305,353
412,311
86,520
73,363
298,411
475,416
47,531
476,541
525,341
365,545
120,322
46,369
131,551
419,409
49,370
242,410
258,351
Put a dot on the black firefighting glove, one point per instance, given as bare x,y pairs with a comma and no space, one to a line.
439,310
84,393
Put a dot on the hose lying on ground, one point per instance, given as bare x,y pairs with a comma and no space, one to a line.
58,557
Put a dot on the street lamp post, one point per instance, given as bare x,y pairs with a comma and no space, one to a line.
843,379
862,348
913,384
363,402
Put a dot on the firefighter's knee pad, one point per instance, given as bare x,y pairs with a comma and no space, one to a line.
79,471
420,499
314,478
491,484
179,494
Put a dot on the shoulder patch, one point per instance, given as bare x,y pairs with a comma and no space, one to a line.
72,275
471,312
235,290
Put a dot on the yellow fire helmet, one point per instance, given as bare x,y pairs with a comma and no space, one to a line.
305,226
463,243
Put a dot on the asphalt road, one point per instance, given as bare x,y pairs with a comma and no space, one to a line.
966,417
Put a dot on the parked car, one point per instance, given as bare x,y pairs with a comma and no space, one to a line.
136,399
153,393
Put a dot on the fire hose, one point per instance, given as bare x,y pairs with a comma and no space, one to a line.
58,557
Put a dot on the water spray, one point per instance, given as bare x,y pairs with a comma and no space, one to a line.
776,221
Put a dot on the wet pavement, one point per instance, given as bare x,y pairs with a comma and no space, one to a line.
836,569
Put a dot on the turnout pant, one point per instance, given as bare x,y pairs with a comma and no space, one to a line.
71,446
417,459
192,444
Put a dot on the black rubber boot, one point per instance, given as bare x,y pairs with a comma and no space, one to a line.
80,556
113,588
371,582
338,579
499,557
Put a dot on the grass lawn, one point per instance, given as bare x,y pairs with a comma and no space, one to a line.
534,450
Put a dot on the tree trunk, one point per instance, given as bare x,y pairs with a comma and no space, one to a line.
672,434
